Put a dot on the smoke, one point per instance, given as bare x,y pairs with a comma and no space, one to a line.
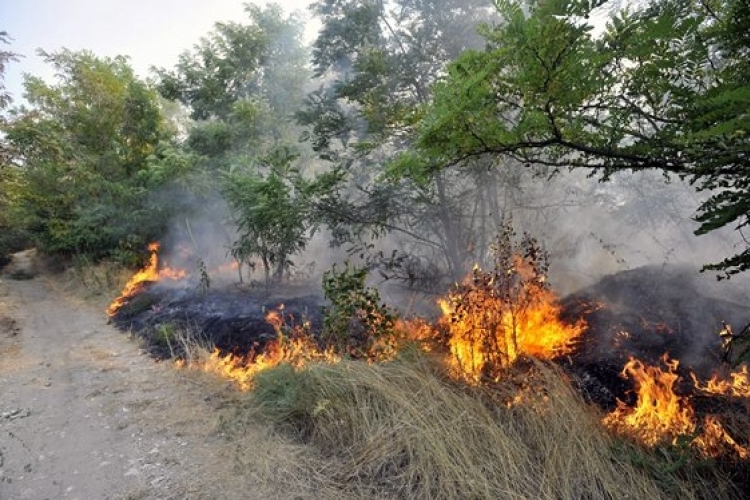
591,229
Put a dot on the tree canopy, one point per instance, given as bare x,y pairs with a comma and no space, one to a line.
82,156
417,118
663,88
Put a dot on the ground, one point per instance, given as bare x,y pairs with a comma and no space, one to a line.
85,414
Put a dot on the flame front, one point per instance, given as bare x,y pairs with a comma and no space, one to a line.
148,274
659,414
295,346
738,386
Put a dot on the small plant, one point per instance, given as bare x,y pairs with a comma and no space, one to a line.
356,323
205,279
736,347
165,336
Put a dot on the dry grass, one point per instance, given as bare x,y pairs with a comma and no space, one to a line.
93,281
399,430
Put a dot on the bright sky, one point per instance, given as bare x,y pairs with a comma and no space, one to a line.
150,32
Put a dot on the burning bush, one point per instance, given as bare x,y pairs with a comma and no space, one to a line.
509,311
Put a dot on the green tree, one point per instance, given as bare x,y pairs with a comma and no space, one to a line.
241,82
272,217
11,238
664,88
378,61
83,153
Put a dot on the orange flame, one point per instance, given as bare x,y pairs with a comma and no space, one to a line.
659,414
148,274
715,441
487,332
738,386
296,347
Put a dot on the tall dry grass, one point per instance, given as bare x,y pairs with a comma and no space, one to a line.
400,430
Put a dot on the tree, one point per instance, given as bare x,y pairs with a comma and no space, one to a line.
83,153
378,61
241,82
11,238
271,217
664,88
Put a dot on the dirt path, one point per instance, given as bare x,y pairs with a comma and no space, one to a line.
84,414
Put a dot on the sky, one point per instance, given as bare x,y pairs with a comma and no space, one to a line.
150,32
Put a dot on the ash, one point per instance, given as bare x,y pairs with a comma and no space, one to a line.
231,319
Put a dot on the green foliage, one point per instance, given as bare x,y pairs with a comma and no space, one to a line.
6,57
380,61
356,322
284,397
88,156
271,216
241,84
248,75
664,88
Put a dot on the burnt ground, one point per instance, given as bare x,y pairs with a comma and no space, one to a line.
646,313
649,311
231,319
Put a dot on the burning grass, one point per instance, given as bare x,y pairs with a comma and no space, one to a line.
662,416
294,345
150,273
659,414
736,384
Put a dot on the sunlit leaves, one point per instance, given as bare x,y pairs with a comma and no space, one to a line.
81,151
665,87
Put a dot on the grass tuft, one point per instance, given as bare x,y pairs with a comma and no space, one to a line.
402,430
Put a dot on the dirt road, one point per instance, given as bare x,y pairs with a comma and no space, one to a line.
84,414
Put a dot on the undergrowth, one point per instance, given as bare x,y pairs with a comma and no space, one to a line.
402,429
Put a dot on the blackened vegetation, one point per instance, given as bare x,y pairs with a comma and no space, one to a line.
230,319
645,313
653,310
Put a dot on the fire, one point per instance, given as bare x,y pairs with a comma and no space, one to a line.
148,274
738,386
715,441
659,414
293,345
489,325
